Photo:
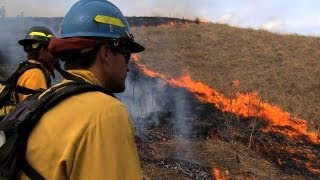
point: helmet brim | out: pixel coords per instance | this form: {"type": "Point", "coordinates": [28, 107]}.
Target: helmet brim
{"type": "Point", "coordinates": [134, 47]}
{"type": "Point", "coordinates": [24, 42]}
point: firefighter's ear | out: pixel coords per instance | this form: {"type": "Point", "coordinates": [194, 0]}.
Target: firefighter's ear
{"type": "Point", "coordinates": [103, 54]}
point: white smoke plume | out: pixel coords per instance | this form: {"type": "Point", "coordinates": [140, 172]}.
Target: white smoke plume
{"type": "Point", "coordinates": [247, 13]}
{"type": "Point", "coordinates": [14, 29]}
{"type": "Point", "coordinates": [225, 19]}
{"type": "Point", "coordinates": [275, 25]}
{"type": "Point", "coordinates": [151, 102]}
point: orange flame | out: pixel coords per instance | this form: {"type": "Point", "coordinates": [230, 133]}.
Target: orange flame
{"type": "Point", "coordinates": [243, 104]}
{"type": "Point", "coordinates": [172, 23]}
{"type": "Point", "coordinates": [217, 174]}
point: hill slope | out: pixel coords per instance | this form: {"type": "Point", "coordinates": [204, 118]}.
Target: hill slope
{"type": "Point", "coordinates": [283, 69]}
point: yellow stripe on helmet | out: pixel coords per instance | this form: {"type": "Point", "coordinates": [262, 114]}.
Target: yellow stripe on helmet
{"type": "Point", "coordinates": [109, 20]}
{"type": "Point", "coordinates": [34, 33]}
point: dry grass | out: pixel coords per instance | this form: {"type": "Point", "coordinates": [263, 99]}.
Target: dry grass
{"type": "Point", "coordinates": [233, 160]}
{"type": "Point", "coordinates": [283, 69]}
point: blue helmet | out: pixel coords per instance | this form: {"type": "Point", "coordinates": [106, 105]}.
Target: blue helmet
{"type": "Point", "coordinates": [98, 18]}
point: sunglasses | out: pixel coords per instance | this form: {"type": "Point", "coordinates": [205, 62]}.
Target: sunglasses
{"type": "Point", "coordinates": [126, 54]}
{"type": "Point", "coordinates": [119, 49]}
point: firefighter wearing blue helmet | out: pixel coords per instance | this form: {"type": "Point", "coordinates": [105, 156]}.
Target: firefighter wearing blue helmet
{"type": "Point", "coordinates": [98, 18]}
{"type": "Point", "coordinates": [89, 135]}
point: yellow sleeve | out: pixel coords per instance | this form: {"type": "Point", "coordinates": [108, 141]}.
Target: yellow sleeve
{"type": "Point", "coordinates": [107, 149]}
{"type": "Point", "coordinates": [32, 79]}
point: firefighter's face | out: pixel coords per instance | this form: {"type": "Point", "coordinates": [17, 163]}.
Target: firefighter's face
{"type": "Point", "coordinates": [119, 69]}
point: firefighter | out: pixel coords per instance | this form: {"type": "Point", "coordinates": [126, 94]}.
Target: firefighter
{"type": "Point", "coordinates": [33, 74]}
{"type": "Point", "coordinates": [89, 135]}
{"type": "Point", "coordinates": [35, 44]}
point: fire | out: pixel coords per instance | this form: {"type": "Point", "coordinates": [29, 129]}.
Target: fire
{"type": "Point", "coordinates": [145, 70]}
{"type": "Point", "coordinates": [243, 104]}
{"type": "Point", "coordinates": [172, 23]}
{"type": "Point", "coordinates": [202, 21]}
{"type": "Point", "coordinates": [217, 174]}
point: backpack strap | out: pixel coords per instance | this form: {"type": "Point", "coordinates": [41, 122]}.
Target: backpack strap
{"type": "Point", "coordinates": [8, 92]}
{"type": "Point", "coordinates": [50, 99]}
{"type": "Point", "coordinates": [30, 172]}
{"type": "Point", "coordinates": [67, 75]}
{"type": "Point", "coordinates": [24, 90]}
{"type": "Point", "coordinates": [23, 67]}
{"type": "Point", "coordinates": [59, 93]}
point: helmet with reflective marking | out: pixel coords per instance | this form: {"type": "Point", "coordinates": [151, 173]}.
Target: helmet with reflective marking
{"type": "Point", "coordinates": [98, 18]}
{"type": "Point", "coordinates": [37, 34]}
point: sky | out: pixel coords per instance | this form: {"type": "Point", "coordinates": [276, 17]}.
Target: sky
{"type": "Point", "coordinates": [281, 16]}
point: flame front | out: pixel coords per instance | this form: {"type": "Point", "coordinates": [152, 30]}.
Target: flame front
{"type": "Point", "coordinates": [243, 104]}
{"type": "Point", "coordinates": [216, 174]}
{"type": "Point", "coordinates": [249, 104]}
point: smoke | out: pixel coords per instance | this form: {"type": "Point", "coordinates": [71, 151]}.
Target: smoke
{"type": "Point", "coordinates": [225, 19]}
{"type": "Point", "coordinates": [167, 8]}
{"type": "Point", "coordinates": [37, 8]}
{"type": "Point", "coordinates": [145, 99]}
{"type": "Point", "coordinates": [275, 25]}
{"type": "Point", "coordinates": [182, 113]}
{"type": "Point", "coordinates": [152, 102]}
{"type": "Point", "coordinates": [14, 29]}
{"type": "Point", "coordinates": [248, 13]}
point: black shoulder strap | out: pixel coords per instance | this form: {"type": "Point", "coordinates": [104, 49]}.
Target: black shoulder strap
{"type": "Point", "coordinates": [46, 74]}
{"type": "Point", "coordinates": [49, 99]}
{"type": "Point", "coordinates": [30, 172]}
{"type": "Point", "coordinates": [23, 67]}
{"type": "Point", "coordinates": [58, 93]}
{"type": "Point", "coordinates": [24, 90]}
{"type": "Point", "coordinates": [67, 75]}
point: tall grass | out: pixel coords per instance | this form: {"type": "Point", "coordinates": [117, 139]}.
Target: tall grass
{"type": "Point", "coordinates": [283, 69]}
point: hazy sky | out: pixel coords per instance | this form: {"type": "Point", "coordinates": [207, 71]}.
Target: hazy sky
{"type": "Point", "coordinates": [287, 16]}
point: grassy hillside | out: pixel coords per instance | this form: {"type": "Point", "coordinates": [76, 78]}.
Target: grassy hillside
{"type": "Point", "coordinates": [283, 69]}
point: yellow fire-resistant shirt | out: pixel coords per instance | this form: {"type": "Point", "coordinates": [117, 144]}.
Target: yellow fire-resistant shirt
{"type": "Point", "coordinates": [87, 136]}
{"type": "Point", "coordinates": [32, 79]}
